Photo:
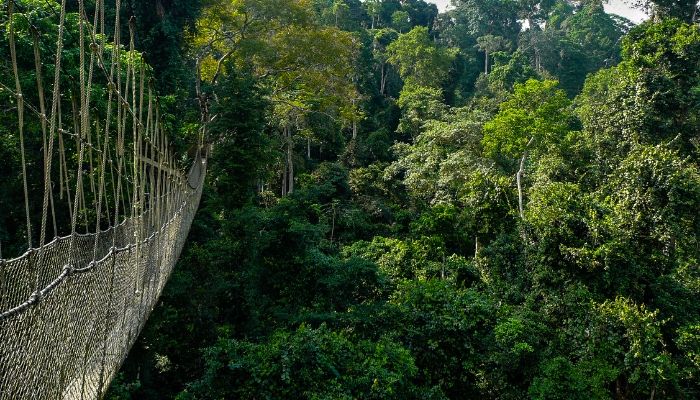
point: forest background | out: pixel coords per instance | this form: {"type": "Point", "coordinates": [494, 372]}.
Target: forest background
{"type": "Point", "coordinates": [495, 202]}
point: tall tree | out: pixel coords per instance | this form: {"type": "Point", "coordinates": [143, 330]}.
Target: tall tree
{"type": "Point", "coordinates": [490, 44]}
{"type": "Point", "coordinates": [303, 64]}
{"type": "Point", "coordinates": [533, 119]}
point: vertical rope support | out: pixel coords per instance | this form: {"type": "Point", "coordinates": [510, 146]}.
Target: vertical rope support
{"type": "Point", "coordinates": [64, 164]}
{"type": "Point", "coordinates": [78, 130]}
{"type": "Point", "coordinates": [134, 123]}
{"type": "Point", "coordinates": [116, 66]}
{"type": "Point", "coordinates": [124, 115]}
{"type": "Point", "coordinates": [105, 153]}
{"type": "Point", "coordinates": [20, 117]}
{"type": "Point", "coordinates": [84, 132]}
{"type": "Point", "coordinates": [91, 166]}
{"type": "Point", "coordinates": [81, 149]}
{"type": "Point", "coordinates": [154, 228]}
{"type": "Point", "coordinates": [114, 187]}
{"type": "Point", "coordinates": [151, 147]}
{"type": "Point", "coordinates": [55, 126]}
{"type": "Point", "coordinates": [47, 146]}
{"type": "Point", "coordinates": [136, 202]}
{"type": "Point", "coordinates": [93, 52]}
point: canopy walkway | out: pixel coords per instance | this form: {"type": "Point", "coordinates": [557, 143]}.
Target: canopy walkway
{"type": "Point", "coordinates": [72, 307]}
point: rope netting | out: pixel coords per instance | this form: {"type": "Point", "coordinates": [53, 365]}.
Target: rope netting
{"type": "Point", "coordinates": [71, 308]}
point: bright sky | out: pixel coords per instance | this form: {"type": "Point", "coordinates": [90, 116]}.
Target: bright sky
{"type": "Point", "coordinates": [614, 6]}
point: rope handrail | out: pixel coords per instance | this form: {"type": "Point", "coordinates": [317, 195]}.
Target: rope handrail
{"type": "Point", "coordinates": [112, 251]}
{"type": "Point", "coordinates": [36, 297]}
{"type": "Point", "coordinates": [66, 237]}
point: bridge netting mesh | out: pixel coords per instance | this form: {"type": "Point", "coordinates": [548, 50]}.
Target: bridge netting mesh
{"type": "Point", "coordinates": [72, 307]}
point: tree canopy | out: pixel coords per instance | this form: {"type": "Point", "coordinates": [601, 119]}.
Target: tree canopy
{"type": "Point", "coordinates": [495, 202]}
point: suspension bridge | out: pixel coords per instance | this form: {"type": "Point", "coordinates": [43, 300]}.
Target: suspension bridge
{"type": "Point", "coordinates": [72, 307]}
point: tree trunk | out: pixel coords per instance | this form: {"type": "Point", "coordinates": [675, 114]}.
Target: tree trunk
{"type": "Point", "coordinates": [382, 85]}
{"type": "Point", "coordinates": [354, 121]}
{"type": "Point", "coordinates": [290, 160]}
{"type": "Point", "coordinates": [333, 225]}
{"type": "Point", "coordinates": [308, 147]}
{"type": "Point", "coordinates": [284, 178]}
{"type": "Point", "coordinates": [160, 10]}
{"type": "Point", "coordinates": [519, 178]}
{"type": "Point", "coordinates": [486, 62]}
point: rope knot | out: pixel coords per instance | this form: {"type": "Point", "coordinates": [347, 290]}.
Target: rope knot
{"type": "Point", "coordinates": [35, 297]}
{"type": "Point", "coordinates": [68, 269]}
{"type": "Point", "coordinates": [19, 96]}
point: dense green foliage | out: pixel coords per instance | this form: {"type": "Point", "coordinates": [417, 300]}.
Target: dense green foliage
{"type": "Point", "coordinates": [401, 264]}
{"type": "Point", "coordinates": [497, 202]}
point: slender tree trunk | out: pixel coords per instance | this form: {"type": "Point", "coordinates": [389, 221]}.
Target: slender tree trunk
{"type": "Point", "coordinates": [354, 121]}
{"type": "Point", "coordinates": [486, 62]}
{"type": "Point", "coordinates": [333, 225]}
{"type": "Point", "coordinates": [382, 85]}
{"type": "Point", "coordinates": [476, 246]}
{"type": "Point", "coordinates": [618, 390]}
{"type": "Point", "coordinates": [290, 160]}
{"type": "Point", "coordinates": [308, 147]}
{"type": "Point", "coordinates": [519, 178]}
{"type": "Point", "coordinates": [284, 176]}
